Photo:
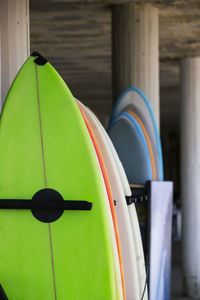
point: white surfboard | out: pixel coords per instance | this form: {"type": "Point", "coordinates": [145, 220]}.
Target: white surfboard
{"type": "Point", "coordinates": [118, 283]}
{"type": "Point", "coordinates": [115, 256]}
{"type": "Point", "coordinates": [134, 222]}
{"type": "Point", "coordinates": [133, 216]}
{"type": "Point", "coordinates": [125, 230]}
{"type": "Point", "coordinates": [139, 251]}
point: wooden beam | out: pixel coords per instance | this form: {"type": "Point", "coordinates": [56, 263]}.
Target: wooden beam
{"type": "Point", "coordinates": [111, 2]}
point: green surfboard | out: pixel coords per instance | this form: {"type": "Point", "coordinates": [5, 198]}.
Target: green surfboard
{"type": "Point", "coordinates": [45, 150]}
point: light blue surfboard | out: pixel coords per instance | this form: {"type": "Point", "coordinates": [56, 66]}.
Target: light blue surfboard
{"type": "Point", "coordinates": [131, 147]}
{"type": "Point", "coordinates": [135, 97]}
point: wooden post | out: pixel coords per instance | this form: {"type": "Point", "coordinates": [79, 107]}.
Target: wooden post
{"type": "Point", "coordinates": [190, 173]}
{"type": "Point", "coordinates": [15, 41]}
{"type": "Point", "coordinates": [136, 50]}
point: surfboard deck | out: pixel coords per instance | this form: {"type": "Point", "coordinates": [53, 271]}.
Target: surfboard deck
{"type": "Point", "coordinates": [150, 132]}
{"type": "Point", "coordinates": [150, 150]}
{"type": "Point", "coordinates": [131, 147]}
{"type": "Point", "coordinates": [45, 145]}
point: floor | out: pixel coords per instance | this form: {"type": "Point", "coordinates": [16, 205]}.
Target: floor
{"type": "Point", "coordinates": [177, 289]}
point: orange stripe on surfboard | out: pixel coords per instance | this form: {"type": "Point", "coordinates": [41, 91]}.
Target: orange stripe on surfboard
{"type": "Point", "coordinates": [110, 197]}
{"type": "Point", "coordinates": [153, 166]}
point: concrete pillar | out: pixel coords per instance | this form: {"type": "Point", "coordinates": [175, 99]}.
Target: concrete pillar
{"type": "Point", "coordinates": [190, 173]}
{"type": "Point", "coordinates": [136, 50]}
{"type": "Point", "coordinates": [15, 42]}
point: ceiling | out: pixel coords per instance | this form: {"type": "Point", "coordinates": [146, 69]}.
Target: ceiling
{"type": "Point", "coordinates": [76, 37]}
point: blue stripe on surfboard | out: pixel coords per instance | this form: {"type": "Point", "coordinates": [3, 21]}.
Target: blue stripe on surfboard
{"type": "Point", "coordinates": [139, 130]}
{"type": "Point", "coordinates": [142, 95]}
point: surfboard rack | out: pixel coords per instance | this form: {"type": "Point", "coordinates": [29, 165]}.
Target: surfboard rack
{"type": "Point", "coordinates": [2, 294]}
{"type": "Point", "coordinates": [134, 198]}
{"type": "Point", "coordinates": [139, 194]}
{"type": "Point", "coordinates": [153, 202]}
